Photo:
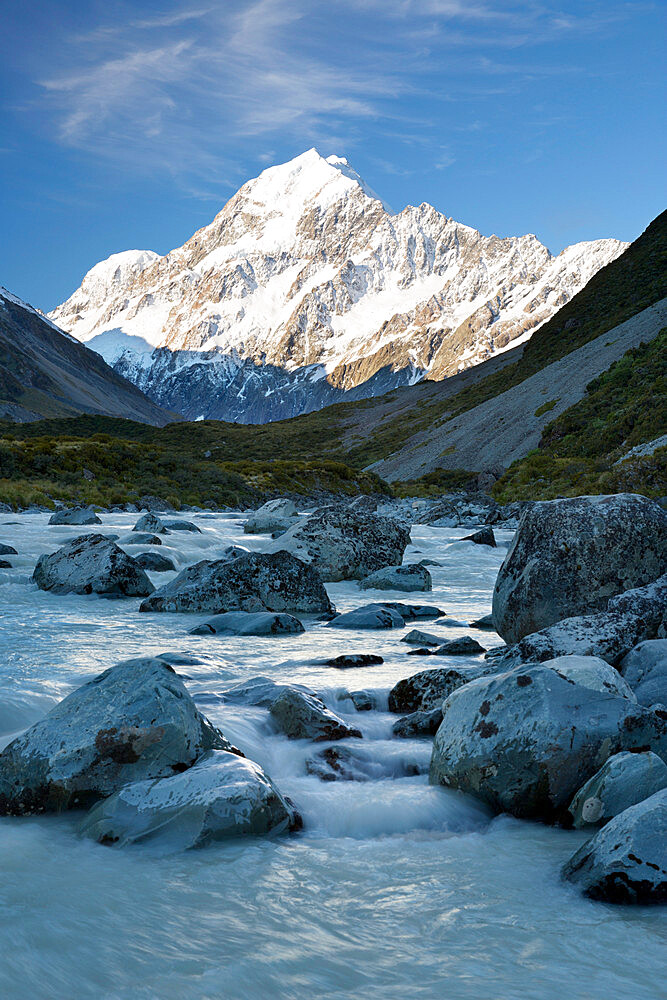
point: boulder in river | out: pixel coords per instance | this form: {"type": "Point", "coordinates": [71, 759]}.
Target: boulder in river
{"type": "Point", "coordinates": [154, 562]}
{"type": "Point", "coordinates": [75, 515]}
{"type": "Point", "coordinates": [183, 526]}
{"type": "Point", "coordinates": [222, 796]}
{"type": "Point", "coordinates": [258, 581]}
{"type": "Point", "coordinates": [408, 578]}
{"type": "Point", "coordinates": [134, 721]}
{"type": "Point", "coordinates": [645, 670]}
{"type": "Point", "coordinates": [465, 645]}
{"type": "Point", "coordinates": [418, 638]}
{"type": "Point", "coordinates": [140, 538]}
{"type": "Point", "coordinates": [249, 623]}
{"type": "Point", "coordinates": [424, 723]}
{"type": "Point", "coordinates": [347, 661]}
{"type": "Point", "coordinates": [569, 557]}
{"type": "Point", "coordinates": [275, 515]}
{"type": "Point", "coordinates": [5, 564]}
{"type": "Point", "coordinates": [609, 636]}
{"type": "Point", "coordinates": [484, 536]}
{"type": "Point", "coordinates": [428, 689]}
{"type": "Point", "coordinates": [626, 861]}
{"type": "Point", "coordinates": [151, 524]}
{"type": "Point", "coordinates": [7, 550]}
{"type": "Point", "coordinates": [485, 624]}
{"type": "Point", "coordinates": [525, 740]}
{"type": "Point", "coordinates": [304, 716]}
{"type": "Point", "coordinates": [592, 672]}
{"type": "Point", "coordinates": [259, 691]}
{"type": "Point", "coordinates": [91, 564]}
{"type": "Point", "coordinates": [345, 544]}
{"type": "Point", "coordinates": [622, 781]}
{"type": "Point", "coordinates": [370, 616]}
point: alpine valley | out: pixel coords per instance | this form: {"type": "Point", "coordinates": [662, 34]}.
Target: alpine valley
{"type": "Point", "coordinates": [306, 289]}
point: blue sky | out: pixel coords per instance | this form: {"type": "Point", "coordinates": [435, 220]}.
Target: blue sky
{"type": "Point", "coordinates": [128, 125]}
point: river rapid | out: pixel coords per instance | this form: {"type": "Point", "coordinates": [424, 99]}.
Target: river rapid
{"type": "Point", "coordinates": [393, 890]}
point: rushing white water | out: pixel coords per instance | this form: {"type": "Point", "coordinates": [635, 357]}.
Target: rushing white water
{"type": "Point", "coordinates": [393, 890]}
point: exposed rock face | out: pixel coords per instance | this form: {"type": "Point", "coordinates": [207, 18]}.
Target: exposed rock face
{"type": "Point", "coordinates": [77, 515]}
{"type": "Point", "coordinates": [248, 623]}
{"type": "Point", "coordinates": [429, 688]}
{"type": "Point", "coordinates": [408, 578]}
{"type": "Point", "coordinates": [645, 670]}
{"type": "Point", "coordinates": [275, 515]}
{"type": "Point", "coordinates": [258, 581]}
{"type": "Point", "coordinates": [345, 544]}
{"type": "Point", "coordinates": [646, 603]}
{"type": "Point", "coordinates": [626, 861]}
{"type": "Point", "coordinates": [303, 716]}
{"type": "Point", "coordinates": [524, 741]}
{"type": "Point", "coordinates": [154, 562]}
{"type": "Point", "coordinates": [569, 557]}
{"type": "Point", "coordinates": [134, 721]}
{"type": "Point", "coordinates": [622, 781]}
{"type": "Point", "coordinates": [222, 796]}
{"type": "Point", "coordinates": [91, 564]}
{"type": "Point", "coordinates": [364, 299]}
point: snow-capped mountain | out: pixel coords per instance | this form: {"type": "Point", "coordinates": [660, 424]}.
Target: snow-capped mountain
{"type": "Point", "coordinates": [306, 289]}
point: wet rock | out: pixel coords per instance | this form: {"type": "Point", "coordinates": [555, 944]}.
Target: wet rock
{"type": "Point", "coordinates": [371, 616]}
{"type": "Point", "coordinates": [249, 623]}
{"type": "Point", "coordinates": [484, 536]}
{"type": "Point", "coordinates": [258, 581]}
{"type": "Point", "coordinates": [408, 578]}
{"type": "Point", "coordinates": [259, 691]}
{"type": "Point", "coordinates": [622, 781]}
{"type": "Point", "coordinates": [134, 721]}
{"type": "Point", "coordinates": [7, 550]}
{"type": "Point", "coordinates": [75, 515]}
{"type": "Point", "coordinates": [645, 670]}
{"type": "Point", "coordinates": [609, 636]}
{"type": "Point", "coordinates": [183, 526]}
{"type": "Point", "coordinates": [591, 672]}
{"type": "Point", "coordinates": [222, 796]}
{"type": "Point", "coordinates": [626, 861]}
{"type": "Point", "coordinates": [485, 624]}
{"type": "Point", "coordinates": [418, 724]}
{"type": "Point", "coordinates": [464, 646]}
{"type": "Point", "coordinates": [428, 689]}
{"type": "Point", "coordinates": [570, 556]}
{"type": "Point", "coordinates": [91, 564]}
{"type": "Point", "coordinates": [364, 701]}
{"type": "Point", "coordinates": [413, 612]}
{"type": "Point", "coordinates": [154, 562]}
{"type": "Point", "coordinates": [417, 638]}
{"type": "Point", "coordinates": [274, 516]}
{"type": "Point", "coordinates": [345, 544]}
{"type": "Point", "coordinates": [4, 564]}
{"type": "Point", "coordinates": [649, 604]}
{"type": "Point", "coordinates": [140, 538]}
{"type": "Point", "coordinates": [150, 523]}
{"type": "Point", "coordinates": [348, 660]}
{"type": "Point", "coordinates": [359, 763]}
{"type": "Point", "coordinates": [523, 741]}
{"type": "Point", "coordinates": [303, 716]}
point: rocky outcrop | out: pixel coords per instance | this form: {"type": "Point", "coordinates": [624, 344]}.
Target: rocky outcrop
{"type": "Point", "coordinates": [645, 670]}
{"type": "Point", "coordinates": [626, 861]}
{"type": "Point", "coordinates": [569, 557]}
{"type": "Point", "coordinates": [622, 781]}
{"type": "Point", "coordinates": [609, 636]}
{"type": "Point", "coordinates": [75, 515]}
{"type": "Point", "coordinates": [342, 543]}
{"type": "Point", "coordinates": [275, 515]}
{"type": "Point", "coordinates": [303, 716]}
{"type": "Point", "coordinates": [525, 740]}
{"type": "Point", "coordinates": [428, 689]}
{"type": "Point", "coordinates": [222, 796]}
{"type": "Point", "coordinates": [257, 581]}
{"type": "Point", "coordinates": [135, 721]}
{"type": "Point", "coordinates": [648, 603]}
{"type": "Point", "coordinates": [249, 623]}
{"type": "Point", "coordinates": [91, 564]}
{"type": "Point", "coordinates": [408, 578]}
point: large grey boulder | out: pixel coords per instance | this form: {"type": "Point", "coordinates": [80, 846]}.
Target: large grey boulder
{"type": "Point", "coordinates": [408, 578]}
{"type": "Point", "coordinates": [592, 672]}
{"type": "Point", "coordinates": [75, 515]}
{"type": "Point", "coordinates": [249, 623]}
{"type": "Point", "coordinates": [140, 538]}
{"type": "Point", "coordinates": [465, 645]}
{"type": "Point", "coordinates": [183, 526]}
{"type": "Point", "coordinates": [645, 670]}
{"type": "Point", "coordinates": [91, 564]}
{"type": "Point", "coordinates": [154, 562]}
{"type": "Point", "coordinates": [428, 689]}
{"type": "Point", "coordinates": [303, 716]}
{"type": "Point", "coordinates": [568, 557]}
{"type": "Point", "coordinates": [626, 861]}
{"type": "Point", "coordinates": [609, 636]}
{"type": "Point", "coordinates": [150, 523]}
{"type": "Point", "coordinates": [622, 781]}
{"type": "Point", "coordinates": [258, 581]}
{"type": "Point", "coordinates": [260, 691]}
{"type": "Point", "coordinates": [525, 740]}
{"type": "Point", "coordinates": [415, 637]}
{"type": "Point", "coordinates": [370, 616]}
{"type": "Point", "coordinates": [275, 515]}
{"type": "Point", "coordinates": [222, 796]}
{"type": "Point", "coordinates": [484, 536]}
{"type": "Point", "coordinates": [345, 544]}
{"type": "Point", "coordinates": [418, 724]}
{"type": "Point", "coordinates": [648, 603]}
{"type": "Point", "coordinates": [134, 721]}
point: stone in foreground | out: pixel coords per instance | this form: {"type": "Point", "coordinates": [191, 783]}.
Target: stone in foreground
{"type": "Point", "coordinates": [249, 623]}
{"type": "Point", "coordinates": [258, 581]}
{"type": "Point", "coordinates": [569, 557]}
{"type": "Point", "coordinates": [408, 578]}
{"type": "Point", "coordinates": [525, 740]}
{"type": "Point", "coordinates": [222, 796]}
{"type": "Point", "coordinates": [626, 861]}
{"type": "Point", "coordinates": [91, 564]}
{"type": "Point", "coordinates": [303, 716]}
{"type": "Point", "coordinates": [76, 515]}
{"type": "Point", "coordinates": [134, 721]}
{"type": "Point", "coordinates": [622, 781]}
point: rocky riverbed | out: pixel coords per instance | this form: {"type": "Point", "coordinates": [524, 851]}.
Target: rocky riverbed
{"type": "Point", "coordinates": [393, 887]}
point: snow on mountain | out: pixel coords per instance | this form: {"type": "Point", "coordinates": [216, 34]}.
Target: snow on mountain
{"type": "Point", "coordinates": [306, 288]}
